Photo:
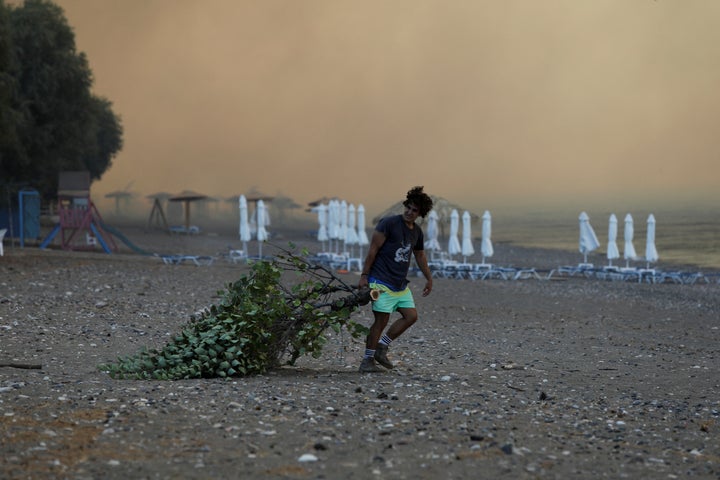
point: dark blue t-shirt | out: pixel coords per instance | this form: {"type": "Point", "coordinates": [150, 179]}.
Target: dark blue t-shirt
{"type": "Point", "coordinates": [392, 261]}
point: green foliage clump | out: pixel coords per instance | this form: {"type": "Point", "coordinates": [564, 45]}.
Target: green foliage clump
{"type": "Point", "coordinates": [258, 325]}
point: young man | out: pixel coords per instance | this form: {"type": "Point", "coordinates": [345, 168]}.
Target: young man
{"type": "Point", "coordinates": [385, 269]}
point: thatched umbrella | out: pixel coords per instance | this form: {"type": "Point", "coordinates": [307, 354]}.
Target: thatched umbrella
{"type": "Point", "coordinates": [186, 197]}
{"type": "Point", "coordinates": [320, 201]}
{"type": "Point", "coordinates": [120, 196]}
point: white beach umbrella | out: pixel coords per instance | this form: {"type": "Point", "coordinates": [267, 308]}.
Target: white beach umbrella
{"type": "Point", "coordinates": [651, 254]}
{"type": "Point", "coordinates": [612, 248]}
{"type": "Point", "coordinates": [453, 242]}
{"type": "Point", "coordinates": [431, 233]}
{"type": "Point", "coordinates": [362, 234]}
{"type": "Point", "coordinates": [588, 239]}
{"type": "Point", "coordinates": [629, 251]}
{"type": "Point", "coordinates": [467, 246]}
{"type": "Point", "coordinates": [245, 235]}
{"type": "Point", "coordinates": [334, 223]}
{"type": "Point", "coordinates": [342, 224]}
{"type": "Point", "coordinates": [486, 246]}
{"type": "Point", "coordinates": [351, 236]}
{"type": "Point", "coordinates": [262, 234]}
{"type": "Point", "coordinates": [322, 235]}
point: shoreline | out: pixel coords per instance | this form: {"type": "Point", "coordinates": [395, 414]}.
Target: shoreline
{"type": "Point", "coordinates": [507, 253]}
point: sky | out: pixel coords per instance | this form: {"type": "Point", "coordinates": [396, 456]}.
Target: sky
{"type": "Point", "coordinates": [487, 103]}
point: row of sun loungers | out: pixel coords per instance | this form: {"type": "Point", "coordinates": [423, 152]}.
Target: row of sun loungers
{"type": "Point", "coordinates": [231, 256]}
{"type": "Point", "coordinates": [337, 261]}
{"type": "Point", "coordinates": [640, 275]}
{"type": "Point", "coordinates": [483, 271]}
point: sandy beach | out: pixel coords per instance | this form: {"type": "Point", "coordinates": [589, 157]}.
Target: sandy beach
{"type": "Point", "coordinates": [563, 378]}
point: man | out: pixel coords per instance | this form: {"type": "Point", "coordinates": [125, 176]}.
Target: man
{"type": "Point", "coordinates": [385, 269]}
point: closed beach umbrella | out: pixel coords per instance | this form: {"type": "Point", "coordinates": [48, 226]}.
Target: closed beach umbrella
{"type": "Point", "coordinates": [244, 223]}
{"type": "Point", "coordinates": [453, 242]}
{"type": "Point", "coordinates": [322, 235]}
{"type": "Point", "coordinates": [262, 234]}
{"type": "Point", "coordinates": [334, 223]}
{"type": "Point", "coordinates": [467, 246]}
{"type": "Point", "coordinates": [351, 236]}
{"type": "Point", "coordinates": [362, 234]}
{"type": "Point", "coordinates": [588, 239]}
{"type": "Point", "coordinates": [629, 251]}
{"type": "Point", "coordinates": [612, 249]}
{"type": "Point", "coordinates": [342, 224]}
{"type": "Point", "coordinates": [486, 246]}
{"type": "Point", "coordinates": [431, 232]}
{"type": "Point", "coordinates": [651, 254]}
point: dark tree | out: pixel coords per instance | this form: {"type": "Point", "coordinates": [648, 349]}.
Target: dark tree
{"type": "Point", "coordinates": [10, 119]}
{"type": "Point", "coordinates": [56, 123]}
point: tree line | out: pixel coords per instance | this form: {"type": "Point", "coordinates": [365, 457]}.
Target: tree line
{"type": "Point", "coordinates": [50, 121]}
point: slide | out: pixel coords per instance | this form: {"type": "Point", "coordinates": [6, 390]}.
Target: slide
{"type": "Point", "coordinates": [116, 233]}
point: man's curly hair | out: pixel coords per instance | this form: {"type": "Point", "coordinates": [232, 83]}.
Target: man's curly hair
{"type": "Point", "coordinates": [420, 199]}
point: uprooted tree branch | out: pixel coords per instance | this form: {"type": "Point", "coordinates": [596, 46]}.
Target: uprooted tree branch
{"type": "Point", "coordinates": [262, 321]}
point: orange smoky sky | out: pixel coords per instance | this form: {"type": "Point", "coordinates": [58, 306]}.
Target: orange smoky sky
{"type": "Point", "coordinates": [485, 102]}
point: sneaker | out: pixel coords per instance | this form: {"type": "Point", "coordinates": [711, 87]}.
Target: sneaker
{"type": "Point", "coordinates": [368, 366]}
{"type": "Point", "coordinates": [381, 356]}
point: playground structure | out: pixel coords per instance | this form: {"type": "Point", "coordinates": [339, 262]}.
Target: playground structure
{"type": "Point", "coordinates": [81, 226]}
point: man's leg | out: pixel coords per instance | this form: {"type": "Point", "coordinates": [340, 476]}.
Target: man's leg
{"type": "Point", "coordinates": [381, 321]}
{"type": "Point", "coordinates": [368, 362]}
{"type": "Point", "coordinates": [409, 317]}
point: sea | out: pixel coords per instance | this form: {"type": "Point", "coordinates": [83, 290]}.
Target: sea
{"type": "Point", "coordinates": [688, 236]}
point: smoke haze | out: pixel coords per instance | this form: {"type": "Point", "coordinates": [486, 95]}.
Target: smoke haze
{"type": "Point", "coordinates": [487, 103]}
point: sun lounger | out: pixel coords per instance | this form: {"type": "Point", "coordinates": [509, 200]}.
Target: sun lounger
{"type": "Point", "coordinates": [711, 277]}
{"type": "Point", "coordinates": [679, 277]}
{"type": "Point", "coordinates": [580, 269]}
{"type": "Point", "coordinates": [435, 269]}
{"type": "Point", "coordinates": [463, 270]}
{"type": "Point", "coordinates": [503, 273]}
{"type": "Point", "coordinates": [525, 273]}
{"type": "Point", "coordinates": [443, 269]}
{"type": "Point", "coordinates": [354, 263]}
{"type": "Point", "coordinates": [179, 259]}
{"type": "Point", "coordinates": [180, 229]}
{"type": "Point", "coordinates": [235, 256]}
{"type": "Point", "coordinates": [334, 260]}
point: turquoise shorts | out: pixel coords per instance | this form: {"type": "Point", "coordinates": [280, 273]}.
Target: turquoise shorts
{"type": "Point", "coordinates": [390, 301]}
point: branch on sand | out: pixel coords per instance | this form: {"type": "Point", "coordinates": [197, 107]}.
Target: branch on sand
{"type": "Point", "coordinates": [271, 316]}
